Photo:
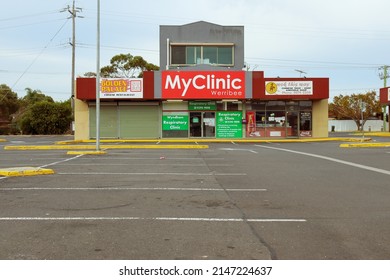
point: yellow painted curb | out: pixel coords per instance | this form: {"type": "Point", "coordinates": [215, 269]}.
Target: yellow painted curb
{"type": "Point", "coordinates": [91, 147]}
{"type": "Point", "coordinates": [365, 145]}
{"type": "Point", "coordinates": [378, 134]}
{"type": "Point", "coordinates": [50, 147]}
{"type": "Point", "coordinates": [25, 171]}
{"type": "Point", "coordinates": [3, 140]}
{"type": "Point", "coordinates": [154, 146]}
{"type": "Point", "coordinates": [70, 142]}
{"type": "Point", "coordinates": [86, 152]}
{"type": "Point", "coordinates": [245, 140]}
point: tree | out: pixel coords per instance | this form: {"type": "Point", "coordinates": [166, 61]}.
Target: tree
{"type": "Point", "coordinates": [125, 66]}
{"type": "Point", "coordinates": [39, 114]}
{"type": "Point", "coordinates": [9, 104]}
{"type": "Point", "coordinates": [8, 101]}
{"type": "Point", "coordinates": [44, 117]}
{"type": "Point", "coordinates": [33, 96]}
{"type": "Point", "coordinates": [350, 107]}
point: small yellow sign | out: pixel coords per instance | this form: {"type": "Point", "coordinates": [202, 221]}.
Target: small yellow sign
{"type": "Point", "coordinates": [271, 87]}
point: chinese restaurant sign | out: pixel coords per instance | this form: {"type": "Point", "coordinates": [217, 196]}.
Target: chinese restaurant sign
{"type": "Point", "coordinates": [203, 84]}
{"type": "Point", "coordinates": [229, 124]}
{"type": "Point", "coordinates": [121, 88]}
{"type": "Point", "coordinates": [289, 88]}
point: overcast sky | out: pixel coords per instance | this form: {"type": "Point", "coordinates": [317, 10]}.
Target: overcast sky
{"type": "Point", "coordinates": [345, 40]}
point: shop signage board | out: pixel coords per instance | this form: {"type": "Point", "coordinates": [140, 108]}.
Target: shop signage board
{"type": "Point", "coordinates": [203, 85]}
{"type": "Point", "coordinates": [202, 105]}
{"type": "Point", "coordinates": [388, 94]}
{"type": "Point", "coordinates": [121, 88]}
{"type": "Point", "coordinates": [175, 121]}
{"type": "Point", "coordinates": [289, 88]}
{"type": "Point", "coordinates": [229, 124]}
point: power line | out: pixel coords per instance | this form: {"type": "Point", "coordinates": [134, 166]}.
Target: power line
{"type": "Point", "coordinates": [36, 58]}
{"type": "Point", "coordinates": [314, 61]}
{"type": "Point", "coordinates": [29, 24]}
{"type": "Point", "coordinates": [28, 16]}
{"type": "Point", "coordinates": [84, 45]}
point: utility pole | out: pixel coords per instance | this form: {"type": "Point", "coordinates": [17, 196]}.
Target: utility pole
{"type": "Point", "coordinates": [383, 76]}
{"type": "Point", "coordinates": [73, 15]}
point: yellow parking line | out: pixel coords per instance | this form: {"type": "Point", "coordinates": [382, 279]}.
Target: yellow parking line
{"type": "Point", "coordinates": [91, 147]}
{"type": "Point", "coordinates": [86, 152]}
{"type": "Point", "coordinates": [365, 145]}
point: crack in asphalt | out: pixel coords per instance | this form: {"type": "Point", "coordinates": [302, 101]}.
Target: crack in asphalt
{"type": "Point", "coordinates": [244, 217]}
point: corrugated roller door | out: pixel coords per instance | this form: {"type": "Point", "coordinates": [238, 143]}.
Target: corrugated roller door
{"type": "Point", "coordinates": [139, 121]}
{"type": "Point", "coordinates": [108, 122]}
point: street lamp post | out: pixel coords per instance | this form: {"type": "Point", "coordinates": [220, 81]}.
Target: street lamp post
{"type": "Point", "coordinates": [98, 79]}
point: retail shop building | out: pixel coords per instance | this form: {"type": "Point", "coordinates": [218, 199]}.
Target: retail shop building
{"type": "Point", "coordinates": [384, 98]}
{"type": "Point", "coordinates": [202, 91]}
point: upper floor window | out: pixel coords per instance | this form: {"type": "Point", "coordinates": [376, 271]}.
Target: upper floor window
{"type": "Point", "coordinates": [185, 55]}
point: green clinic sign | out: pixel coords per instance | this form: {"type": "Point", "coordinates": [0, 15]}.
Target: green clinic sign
{"type": "Point", "coordinates": [175, 121]}
{"type": "Point", "coordinates": [202, 106]}
{"type": "Point", "coordinates": [229, 125]}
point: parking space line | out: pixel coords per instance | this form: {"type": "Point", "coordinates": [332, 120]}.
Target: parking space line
{"type": "Point", "coordinates": [181, 219]}
{"type": "Point", "coordinates": [131, 189]}
{"type": "Point", "coordinates": [150, 164]}
{"type": "Point", "coordinates": [366, 167]}
{"type": "Point", "coordinates": [232, 149]}
{"type": "Point", "coordinates": [61, 161]}
{"type": "Point", "coordinates": [152, 173]}
{"type": "Point", "coordinates": [153, 158]}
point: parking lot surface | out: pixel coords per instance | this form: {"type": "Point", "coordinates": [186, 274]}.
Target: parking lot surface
{"type": "Point", "coordinates": [230, 201]}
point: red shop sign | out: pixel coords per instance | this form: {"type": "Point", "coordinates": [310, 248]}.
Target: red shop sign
{"type": "Point", "coordinates": [203, 85]}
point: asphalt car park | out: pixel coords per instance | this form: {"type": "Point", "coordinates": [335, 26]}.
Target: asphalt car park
{"type": "Point", "coordinates": [230, 201]}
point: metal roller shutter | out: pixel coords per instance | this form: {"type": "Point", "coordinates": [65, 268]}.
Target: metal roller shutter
{"type": "Point", "coordinates": [108, 121]}
{"type": "Point", "coordinates": [139, 121]}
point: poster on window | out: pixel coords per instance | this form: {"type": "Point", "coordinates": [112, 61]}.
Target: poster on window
{"type": "Point", "coordinates": [251, 125]}
{"type": "Point", "coordinates": [229, 124]}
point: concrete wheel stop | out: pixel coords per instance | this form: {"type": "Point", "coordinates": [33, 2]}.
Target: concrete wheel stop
{"type": "Point", "coordinates": [25, 171]}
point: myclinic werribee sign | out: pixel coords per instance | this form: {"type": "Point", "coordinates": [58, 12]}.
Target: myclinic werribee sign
{"type": "Point", "coordinates": [203, 85]}
{"type": "Point", "coordinates": [121, 88]}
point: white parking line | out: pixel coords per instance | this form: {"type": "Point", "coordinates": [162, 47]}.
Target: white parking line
{"type": "Point", "coordinates": [167, 157]}
{"type": "Point", "coordinates": [232, 149]}
{"type": "Point", "coordinates": [149, 219]}
{"type": "Point", "coordinates": [378, 170]}
{"type": "Point", "coordinates": [149, 164]}
{"type": "Point", "coordinates": [132, 189]}
{"type": "Point", "coordinates": [61, 161]}
{"type": "Point", "coordinates": [152, 173]}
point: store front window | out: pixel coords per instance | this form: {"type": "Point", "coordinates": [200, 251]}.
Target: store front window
{"type": "Point", "coordinates": [202, 124]}
{"type": "Point", "coordinates": [305, 118]}
{"type": "Point", "coordinates": [202, 119]}
{"type": "Point", "coordinates": [279, 119]}
{"type": "Point", "coordinates": [186, 55]}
